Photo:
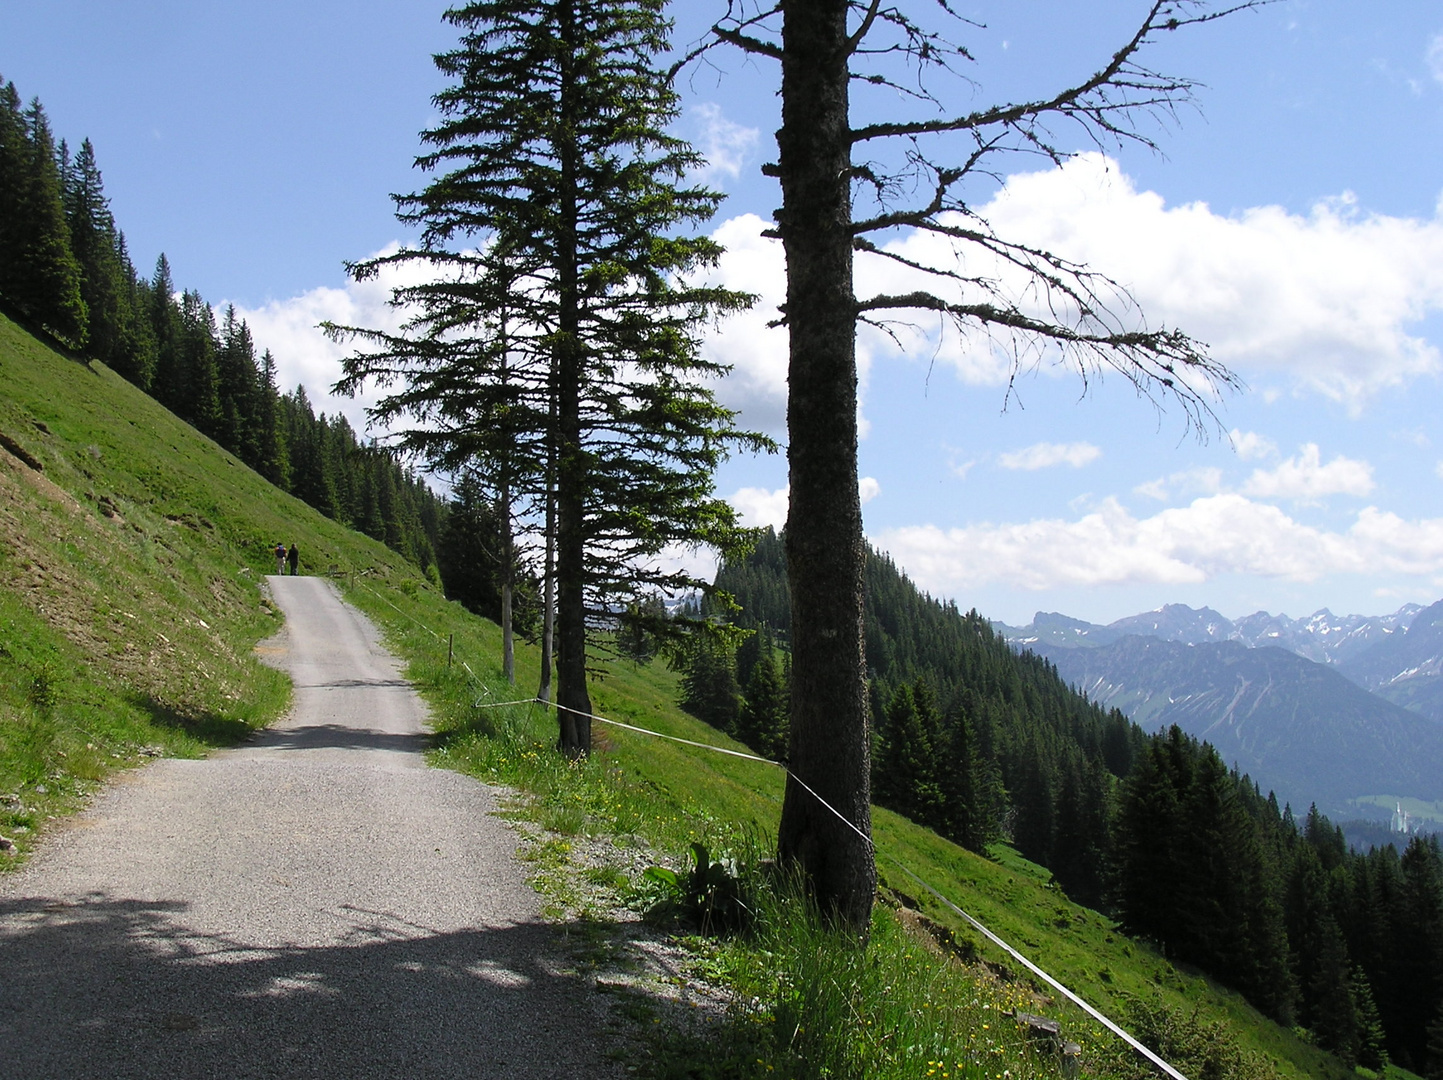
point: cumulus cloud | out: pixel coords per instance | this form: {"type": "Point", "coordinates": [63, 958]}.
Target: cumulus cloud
{"type": "Point", "coordinates": [1305, 478]}
{"type": "Point", "coordinates": [305, 356]}
{"type": "Point", "coordinates": [1212, 536]}
{"type": "Point", "coordinates": [756, 352]}
{"type": "Point", "coordinates": [1250, 446]}
{"type": "Point", "coordinates": [1327, 299]}
{"type": "Point", "coordinates": [758, 507]}
{"type": "Point", "coordinates": [1045, 455]}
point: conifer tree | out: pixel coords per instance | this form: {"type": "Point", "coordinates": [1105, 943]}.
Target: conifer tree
{"type": "Point", "coordinates": [169, 380]}
{"type": "Point", "coordinates": [1418, 962]}
{"type": "Point", "coordinates": [554, 233]}
{"type": "Point", "coordinates": [274, 461]}
{"type": "Point", "coordinates": [972, 790]}
{"type": "Point", "coordinates": [196, 349]}
{"type": "Point", "coordinates": [136, 357]}
{"type": "Point", "coordinates": [238, 393]}
{"type": "Point", "coordinates": [709, 689]}
{"type": "Point", "coordinates": [14, 148]}
{"type": "Point", "coordinates": [39, 274]}
{"type": "Point", "coordinates": [105, 285]}
{"type": "Point", "coordinates": [763, 722]}
{"type": "Point", "coordinates": [1372, 1042]}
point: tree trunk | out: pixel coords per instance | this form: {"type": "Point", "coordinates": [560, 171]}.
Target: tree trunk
{"type": "Point", "coordinates": [508, 579]}
{"type": "Point", "coordinates": [548, 590]}
{"type": "Point", "coordinates": [572, 699]}
{"type": "Point", "coordinates": [830, 742]}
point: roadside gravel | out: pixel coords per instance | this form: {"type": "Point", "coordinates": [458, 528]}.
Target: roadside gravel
{"type": "Point", "coordinates": [316, 903]}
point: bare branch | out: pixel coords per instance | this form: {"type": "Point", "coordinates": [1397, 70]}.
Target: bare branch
{"type": "Point", "coordinates": [1141, 88]}
{"type": "Point", "coordinates": [1148, 359]}
{"type": "Point", "coordinates": [747, 43]}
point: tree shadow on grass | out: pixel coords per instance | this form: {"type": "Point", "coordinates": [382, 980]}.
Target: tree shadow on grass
{"type": "Point", "coordinates": [206, 727]}
{"type": "Point", "coordinates": [100, 985]}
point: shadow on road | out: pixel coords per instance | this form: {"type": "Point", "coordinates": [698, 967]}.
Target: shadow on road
{"type": "Point", "coordinates": [339, 737]}
{"type": "Point", "coordinates": [103, 986]}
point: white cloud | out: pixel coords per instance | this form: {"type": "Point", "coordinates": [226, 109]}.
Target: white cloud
{"type": "Point", "coordinates": [1250, 446]}
{"type": "Point", "coordinates": [1435, 57]}
{"type": "Point", "coordinates": [1327, 299]}
{"type": "Point", "coordinates": [760, 507]}
{"type": "Point", "coordinates": [1204, 479]}
{"type": "Point", "coordinates": [756, 352]}
{"type": "Point", "coordinates": [1305, 478]}
{"type": "Point", "coordinates": [757, 507]}
{"type": "Point", "coordinates": [726, 145]}
{"type": "Point", "coordinates": [1210, 537]}
{"type": "Point", "coordinates": [305, 356]}
{"type": "Point", "coordinates": [1045, 455]}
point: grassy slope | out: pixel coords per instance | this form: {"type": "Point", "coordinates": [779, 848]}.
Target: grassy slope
{"type": "Point", "coordinates": [129, 596]}
{"type": "Point", "coordinates": [129, 606]}
{"type": "Point", "coordinates": [670, 795]}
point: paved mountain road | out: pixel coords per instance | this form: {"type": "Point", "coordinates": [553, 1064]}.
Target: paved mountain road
{"type": "Point", "coordinates": [315, 903]}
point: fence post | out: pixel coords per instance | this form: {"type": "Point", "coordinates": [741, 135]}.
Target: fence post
{"type": "Point", "coordinates": [450, 648]}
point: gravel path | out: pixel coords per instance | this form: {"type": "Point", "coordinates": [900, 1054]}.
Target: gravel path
{"type": "Point", "coordinates": [316, 903]}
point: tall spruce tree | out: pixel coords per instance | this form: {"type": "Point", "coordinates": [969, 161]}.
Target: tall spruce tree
{"type": "Point", "coordinates": [39, 275]}
{"type": "Point", "coordinates": [106, 280]}
{"type": "Point", "coordinates": [273, 460]}
{"type": "Point", "coordinates": [14, 146]}
{"type": "Point", "coordinates": [554, 237]}
{"type": "Point", "coordinates": [169, 377]}
{"type": "Point", "coordinates": [197, 347]}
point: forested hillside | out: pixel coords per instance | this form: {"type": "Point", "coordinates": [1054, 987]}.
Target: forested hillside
{"type": "Point", "coordinates": [981, 742]}
{"type": "Point", "coordinates": [66, 272]}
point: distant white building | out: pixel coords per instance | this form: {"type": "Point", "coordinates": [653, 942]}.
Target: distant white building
{"type": "Point", "coordinates": [1403, 822]}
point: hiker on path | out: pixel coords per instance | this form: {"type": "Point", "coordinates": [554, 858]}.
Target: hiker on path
{"type": "Point", "coordinates": [280, 558]}
{"type": "Point", "coordinates": [294, 558]}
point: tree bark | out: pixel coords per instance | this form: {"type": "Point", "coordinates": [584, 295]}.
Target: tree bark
{"type": "Point", "coordinates": [830, 741]}
{"type": "Point", "coordinates": [572, 698]}
{"type": "Point", "coordinates": [548, 589]}
{"type": "Point", "coordinates": [508, 578]}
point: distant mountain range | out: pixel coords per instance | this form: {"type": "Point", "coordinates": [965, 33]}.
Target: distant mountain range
{"type": "Point", "coordinates": [1326, 709]}
{"type": "Point", "coordinates": [1322, 637]}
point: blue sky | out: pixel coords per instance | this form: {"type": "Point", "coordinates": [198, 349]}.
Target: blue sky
{"type": "Point", "coordinates": [1292, 222]}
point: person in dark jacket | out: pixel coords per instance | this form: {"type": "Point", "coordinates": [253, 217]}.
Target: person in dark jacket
{"type": "Point", "coordinates": [294, 558]}
{"type": "Point", "coordinates": [280, 554]}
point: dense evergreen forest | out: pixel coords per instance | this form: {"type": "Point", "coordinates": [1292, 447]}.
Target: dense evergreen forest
{"type": "Point", "coordinates": [65, 272]}
{"type": "Point", "coordinates": [983, 743]}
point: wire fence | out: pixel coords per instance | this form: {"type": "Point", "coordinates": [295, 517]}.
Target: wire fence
{"type": "Point", "coordinates": [1142, 1050]}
